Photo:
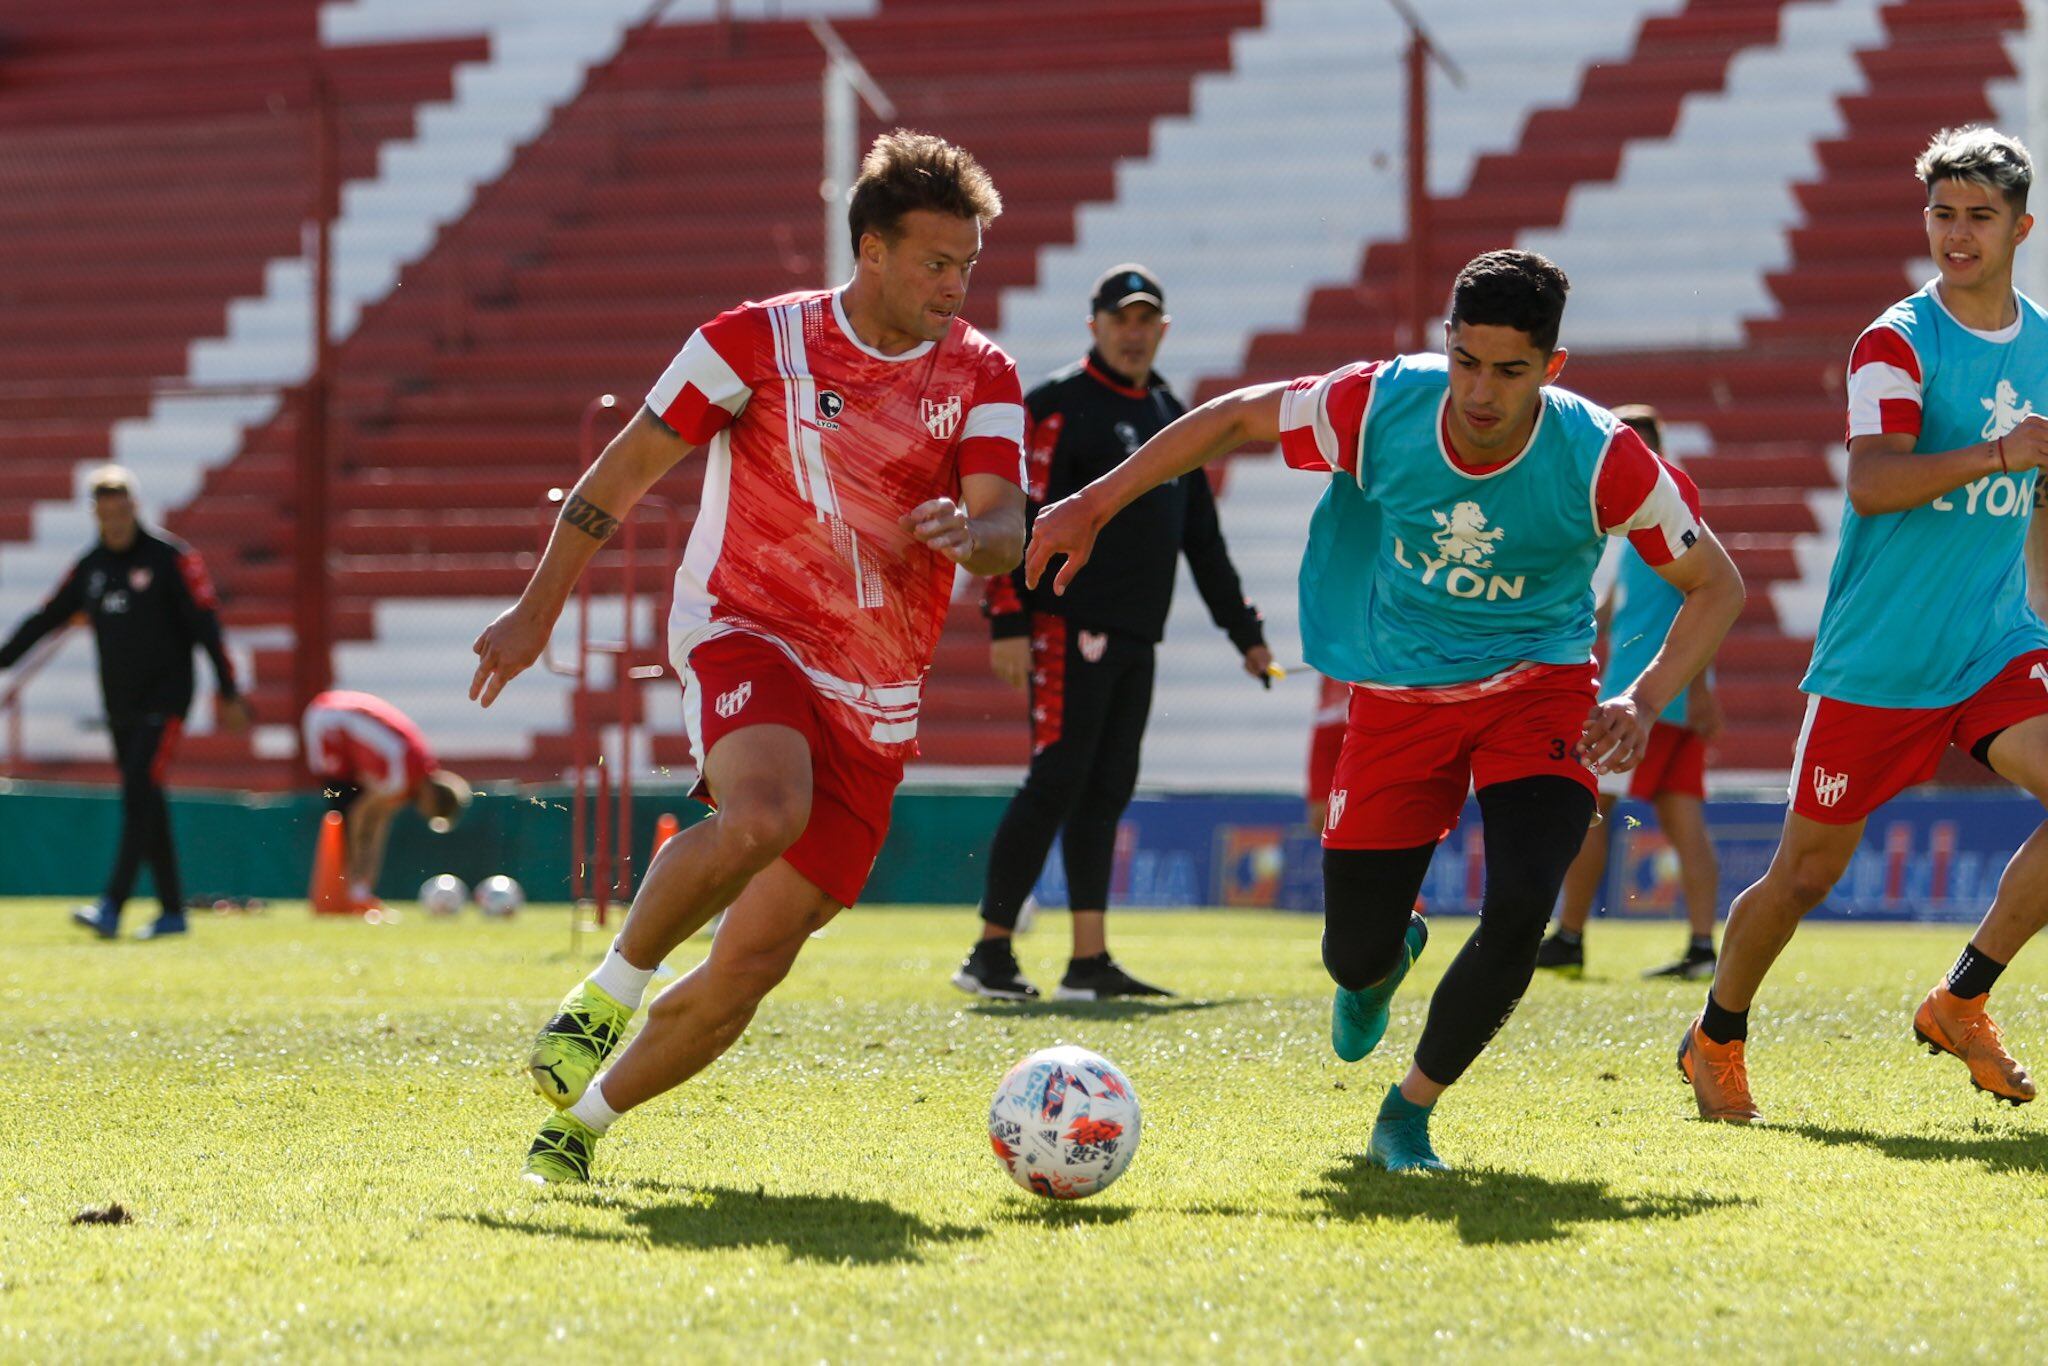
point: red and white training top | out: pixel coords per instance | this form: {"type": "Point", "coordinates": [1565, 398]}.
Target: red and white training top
{"type": "Point", "coordinates": [353, 737]}
{"type": "Point", "coordinates": [818, 444]}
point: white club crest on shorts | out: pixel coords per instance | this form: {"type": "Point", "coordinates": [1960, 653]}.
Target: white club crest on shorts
{"type": "Point", "coordinates": [942, 415]}
{"type": "Point", "coordinates": [1828, 787]}
{"type": "Point", "coordinates": [1093, 643]}
{"type": "Point", "coordinates": [729, 703]}
{"type": "Point", "coordinates": [1336, 819]}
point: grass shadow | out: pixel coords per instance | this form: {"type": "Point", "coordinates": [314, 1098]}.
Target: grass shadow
{"type": "Point", "coordinates": [1492, 1206]}
{"type": "Point", "coordinates": [815, 1228]}
{"type": "Point", "coordinates": [2021, 1151]}
{"type": "Point", "coordinates": [1095, 1010]}
{"type": "Point", "coordinates": [1063, 1213]}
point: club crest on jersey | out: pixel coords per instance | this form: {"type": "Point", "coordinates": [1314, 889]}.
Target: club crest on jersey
{"type": "Point", "coordinates": [830, 406]}
{"type": "Point", "coordinates": [2004, 411]}
{"type": "Point", "coordinates": [1093, 643]}
{"type": "Point", "coordinates": [729, 703]}
{"type": "Point", "coordinates": [942, 415]}
{"type": "Point", "coordinates": [1828, 787]}
{"type": "Point", "coordinates": [139, 578]}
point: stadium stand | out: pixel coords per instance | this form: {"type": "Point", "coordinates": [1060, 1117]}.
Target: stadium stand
{"type": "Point", "coordinates": [541, 200]}
{"type": "Point", "coordinates": [681, 178]}
{"type": "Point", "coordinates": [152, 180]}
{"type": "Point", "coordinates": [1506, 155]}
{"type": "Point", "coordinates": [1800, 257]}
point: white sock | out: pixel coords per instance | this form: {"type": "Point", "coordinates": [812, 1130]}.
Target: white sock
{"type": "Point", "coordinates": [361, 891]}
{"type": "Point", "coordinates": [620, 980]}
{"type": "Point", "coordinates": [593, 1109]}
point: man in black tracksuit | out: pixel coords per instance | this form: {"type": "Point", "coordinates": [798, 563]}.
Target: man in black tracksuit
{"type": "Point", "coordinates": [150, 602]}
{"type": "Point", "coordinates": [1088, 654]}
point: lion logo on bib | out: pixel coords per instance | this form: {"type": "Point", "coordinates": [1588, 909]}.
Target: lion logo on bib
{"type": "Point", "coordinates": [2006, 411]}
{"type": "Point", "coordinates": [1465, 538]}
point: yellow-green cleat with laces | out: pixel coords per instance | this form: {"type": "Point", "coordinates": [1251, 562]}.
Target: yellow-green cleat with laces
{"type": "Point", "coordinates": [560, 1155]}
{"type": "Point", "coordinates": [570, 1048]}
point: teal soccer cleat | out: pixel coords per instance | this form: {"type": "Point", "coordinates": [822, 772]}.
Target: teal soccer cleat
{"type": "Point", "coordinates": [1358, 1019]}
{"type": "Point", "coordinates": [1400, 1137]}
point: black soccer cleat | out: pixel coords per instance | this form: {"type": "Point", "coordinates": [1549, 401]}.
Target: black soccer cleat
{"type": "Point", "coordinates": [1555, 953]}
{"type": "Point", "coordinates": [1696, 966]}
{"type": "Point", "coordinates": [991, 970]}
{"type": "Point", "coordinates": [1100, 979]}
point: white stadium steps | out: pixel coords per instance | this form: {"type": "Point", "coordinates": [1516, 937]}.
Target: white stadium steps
{"type": "Point", "coordinates": [1674, 251]}
{"type": "Point", "coordinates": [1202, 688]}
{"type": "Point", "coordinates": [1249, 203]}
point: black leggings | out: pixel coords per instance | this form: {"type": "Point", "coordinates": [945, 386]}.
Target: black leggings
{"type": "Point", "coordinates": [1532, 830]}
{"type": "Point", "coordinates": [1088, 724]}
{"type": "Point", "coordinates": [142, 749]}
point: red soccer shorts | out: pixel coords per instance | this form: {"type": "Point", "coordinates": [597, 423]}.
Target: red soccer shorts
{"type": "Point", "coordinates": [736, 681]}
{"type": "Point", "coordinates": [1406, 766]}
{"type": "Point", "coordinates": [1675, 761]}
{"type": "Point", "coordinates": [1851, 760]}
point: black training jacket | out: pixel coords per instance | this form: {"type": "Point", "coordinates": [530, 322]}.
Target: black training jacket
{"type": "Point", "coordinates": [149, 605]}
{"type": "Point", "coordinates": [1079, 425]}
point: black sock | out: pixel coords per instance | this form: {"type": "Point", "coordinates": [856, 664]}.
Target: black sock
{"type": "Point", "coordinates": [1702, 943]}
{"type": "Point", "coordinates": [1571, 939]}
{"type": "Point", "coordinates": [1721, 1024]}
{"type": "Point", "coordinates": [1974, 974]}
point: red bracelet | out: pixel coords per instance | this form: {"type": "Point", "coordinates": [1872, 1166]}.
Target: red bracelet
{"type": "Point", "coordinates": [2001, 456]}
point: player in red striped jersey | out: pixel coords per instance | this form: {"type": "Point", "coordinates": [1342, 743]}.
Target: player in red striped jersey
{"type": "Point", "coordinates": [862, 443]}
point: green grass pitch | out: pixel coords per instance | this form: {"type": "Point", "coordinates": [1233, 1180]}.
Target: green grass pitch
{"type": "Point", "coordinates": [316, 1128]}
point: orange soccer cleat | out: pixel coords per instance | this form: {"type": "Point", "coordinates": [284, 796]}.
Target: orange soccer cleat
{"type": "Point", "coordinates": [1719, 1077]}
{"type": "Point", "coordinates": [1948, 1023]}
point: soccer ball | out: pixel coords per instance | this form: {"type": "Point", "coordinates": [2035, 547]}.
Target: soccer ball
{"type": "Point", "coordinates": [443, 894]}
{"type": "Point", "coordinates": [498, 896]}
{"type": "Point", "coordinates": [1064, 1123]}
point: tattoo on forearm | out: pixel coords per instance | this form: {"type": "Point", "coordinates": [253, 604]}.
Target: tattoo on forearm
{"type": "Point", "coordinates": [588, 518]}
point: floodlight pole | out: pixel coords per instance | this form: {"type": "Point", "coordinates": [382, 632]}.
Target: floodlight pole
{"type": "Point", "coordinates": [313, 655]}
{"type": "Point", "coordinates": [1422, 50]}
{"type": "Point", "coordinates": [847, 83]}
{"type": "Point", "coordinates": [2034, 72]}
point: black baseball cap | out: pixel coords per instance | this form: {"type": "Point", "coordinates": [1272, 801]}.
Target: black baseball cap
{"type": "Point", "coordinates": [1129, 283]}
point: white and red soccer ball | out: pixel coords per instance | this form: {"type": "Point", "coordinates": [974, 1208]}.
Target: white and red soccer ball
{"type": "Point", "coordinates": [1064, 1122]}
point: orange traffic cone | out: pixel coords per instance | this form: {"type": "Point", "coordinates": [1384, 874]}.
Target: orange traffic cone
{"type": "Point", "coordinates": [664, 830]}
{"type": "Point", "coordinates": [329, 892]}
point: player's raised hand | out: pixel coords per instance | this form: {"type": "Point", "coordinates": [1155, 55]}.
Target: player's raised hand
{"type": "Point", "coordinates": [1067, 528]}
{"type": "Point", "coordinates": [506, 649]}
{"type": "Point", "coordinates": [943, 525]}
{"type": "Point", "coordinates": [2026, 446]}
{"type": "Point", "coordinates": [1615, 736]}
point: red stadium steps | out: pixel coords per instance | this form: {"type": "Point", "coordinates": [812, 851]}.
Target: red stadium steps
{"type": "Point", "coordinates": [585, 265]}
{"type": "Point", "coordinates": [1507, 194]}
